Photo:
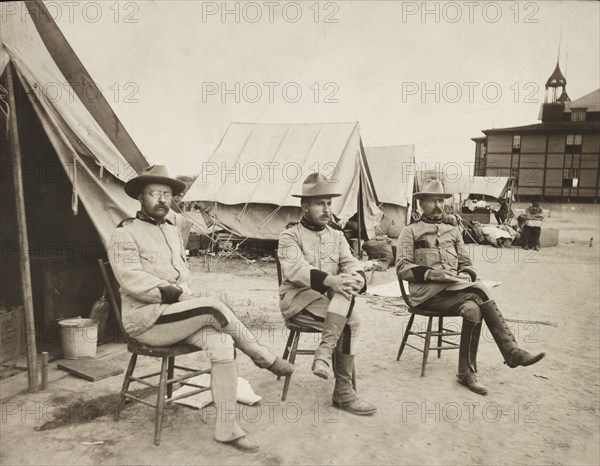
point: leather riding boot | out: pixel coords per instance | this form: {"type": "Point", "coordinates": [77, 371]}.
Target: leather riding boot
{"type": "Point", "coordinates": [467, 364]}
{"type": "Point", "coordinates": [344, 396]}
{"type": "Point", "coordinates": [223, 387]}
{"type": "Point", "coordinates": [332, 330]}
{"type": "Point", "coordinates": [513, 355]}
{"type": "Point", "coordinates": [474, 345]}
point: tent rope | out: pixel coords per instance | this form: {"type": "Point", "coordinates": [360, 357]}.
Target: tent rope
{"type": "Point", "coordinates": [101, 172]}
{"type": "Point", "coordinates": [270, 216]}
{"type": "Point", "coordinates": [239, 217]}
{"type": "Point", "coordinates": [3, 96]}
{"type": "Point", "coordinates": [74, 195]}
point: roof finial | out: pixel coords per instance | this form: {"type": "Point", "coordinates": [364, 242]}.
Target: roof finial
{"type": "Point", "coordinates": [559, 43]}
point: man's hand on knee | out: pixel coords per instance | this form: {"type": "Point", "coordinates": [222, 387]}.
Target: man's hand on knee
{"type": "Point", "coordinates": [359, 283]}
{"type": "Point", "coordinates": [343, 284]}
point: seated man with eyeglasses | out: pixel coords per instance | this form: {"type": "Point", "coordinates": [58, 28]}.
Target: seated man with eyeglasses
{"type": "Point", "coordinates": [147, 255]}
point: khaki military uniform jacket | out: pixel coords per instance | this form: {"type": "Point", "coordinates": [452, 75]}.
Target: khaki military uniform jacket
{"type": "Point", "coordinates": [145, 255]}
{"type": "Point", "coordinates": [307, 256]}
{"type": "Point", "coordinates": [439, 246]}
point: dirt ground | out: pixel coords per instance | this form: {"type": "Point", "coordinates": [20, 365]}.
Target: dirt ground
{"type": "Point", "coordinates": [544, 414]}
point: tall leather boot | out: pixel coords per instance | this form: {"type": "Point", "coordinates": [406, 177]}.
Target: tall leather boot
{"type": "Point", "coordinates": [344, 396]}
{"type": "Point", "coordinates": [223, 387]}
{"type": "Point", "coordinates": [513, 355]}
{"type": "Point", "coordinates": [467, 357]}
{"type": "Point", "coordinates": [332, 330]}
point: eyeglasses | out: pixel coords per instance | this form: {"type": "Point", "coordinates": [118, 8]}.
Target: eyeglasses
{"type": "Point", "coordinates": [158, 194]}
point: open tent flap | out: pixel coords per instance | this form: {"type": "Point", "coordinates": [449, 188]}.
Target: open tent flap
{"type": "Point", "coordinates": [96, 168]}
{"type": "Point", "coordinates": [100, 192]}
{"type": "Point", "coordinates": [73, 113]}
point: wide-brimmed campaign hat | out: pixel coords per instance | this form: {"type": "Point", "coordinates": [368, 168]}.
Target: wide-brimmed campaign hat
{"type": "Point", "coordinates": [317, 185]}
{"type": "Point", "coordinates": [153, 174]}
{"type": "Point", "coordinates": [432, 188]}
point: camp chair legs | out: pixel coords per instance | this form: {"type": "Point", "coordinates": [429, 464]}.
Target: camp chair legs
{"type": "Point", "coordinates": [166, 380]}
{"type": "Point", "coordinates": [291, 351]}
{"type": "Point", "coordinates": [125, 387]}
{"type": "Point", "coordinates": [167, 354]}
{"type": "Point", "coordinates": [441, 334]}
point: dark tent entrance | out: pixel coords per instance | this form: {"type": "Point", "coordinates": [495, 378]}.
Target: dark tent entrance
{"type": "Point", "coordinates": [63, 247]}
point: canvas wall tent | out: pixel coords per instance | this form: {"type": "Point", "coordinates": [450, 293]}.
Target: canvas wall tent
{"type": "Point", "coordinates": [247, 184]}
{"type": "Point", "coordinates": [75, 156]}
{"type": "Point", "coordinates": [393, 171]}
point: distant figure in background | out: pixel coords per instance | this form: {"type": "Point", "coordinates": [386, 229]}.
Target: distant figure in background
{"type": "Point", "coordinates": [533, 225]}
{"type": "Point", "coordinates": [502, 213]}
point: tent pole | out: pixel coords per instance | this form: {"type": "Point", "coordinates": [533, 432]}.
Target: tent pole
{"type": "Point", "coordinates": [25, 270]}
{"type": "Point", "coordinates": [360, 219]}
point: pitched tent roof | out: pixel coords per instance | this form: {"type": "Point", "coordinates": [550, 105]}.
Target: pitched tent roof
{"type": "Point", "coordinates": [393, 172]}
{"type": "Point", "coordinates": [94, 150]}
{"type": "Point", "coordinates": [247, 184]}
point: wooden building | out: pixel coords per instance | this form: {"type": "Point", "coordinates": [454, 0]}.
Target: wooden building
{"type": "Point", "coordinates": [557, 159]}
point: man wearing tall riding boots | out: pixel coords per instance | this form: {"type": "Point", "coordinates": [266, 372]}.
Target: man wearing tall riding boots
{"type": "Point", "coordinates": [433, 259]}
{"type": "Point", "coordinates": [321, 279]}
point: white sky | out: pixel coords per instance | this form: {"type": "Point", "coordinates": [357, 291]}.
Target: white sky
{"type": "Point", "coordinates": [372, 54]}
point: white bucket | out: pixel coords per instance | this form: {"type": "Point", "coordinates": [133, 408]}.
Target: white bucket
{"type": "Point", "coordinates": [79, 337]}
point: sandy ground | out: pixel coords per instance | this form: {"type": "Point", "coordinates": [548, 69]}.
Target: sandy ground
{"type": "Point", "coordinates": [544, 414]}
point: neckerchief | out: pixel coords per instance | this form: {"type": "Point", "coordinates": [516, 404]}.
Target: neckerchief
{"type": "Point", "coordinates": [431, 220]}
{"type": "Point", "coordinates": [311, 226]}
{"type": "Point", "coordinates": [146, 218]}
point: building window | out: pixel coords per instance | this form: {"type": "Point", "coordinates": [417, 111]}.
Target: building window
{"type": "Point", "coordinates": [573, 143]}
{"type": "Point", "coordinates": [482, 150]}
{"type": "Point", "coordinates": [514, 173]}
{"type": "Point", "coordinates": [570, 178]}
{"type": "Point", "coordinates": [516, 142]}
{"type": "Point", "coordinates": [578, 115]}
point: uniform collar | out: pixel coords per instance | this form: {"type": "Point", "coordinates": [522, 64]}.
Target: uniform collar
{"type": "Point", "coordinates": [310, 225]}
{"type": "Point", "coordinates": [146, 218]}
{"type": "Point", "coordinates": [431, 220]}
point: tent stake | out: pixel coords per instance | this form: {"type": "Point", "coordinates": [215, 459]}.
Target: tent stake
{"type": "Point", "coordinates": [25, 270]}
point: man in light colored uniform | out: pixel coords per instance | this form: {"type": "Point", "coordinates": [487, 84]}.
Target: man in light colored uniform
{"type": "Point", "coordinates": [321, 279]}
{"type": "Point", "coordinates": [147, 256]}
